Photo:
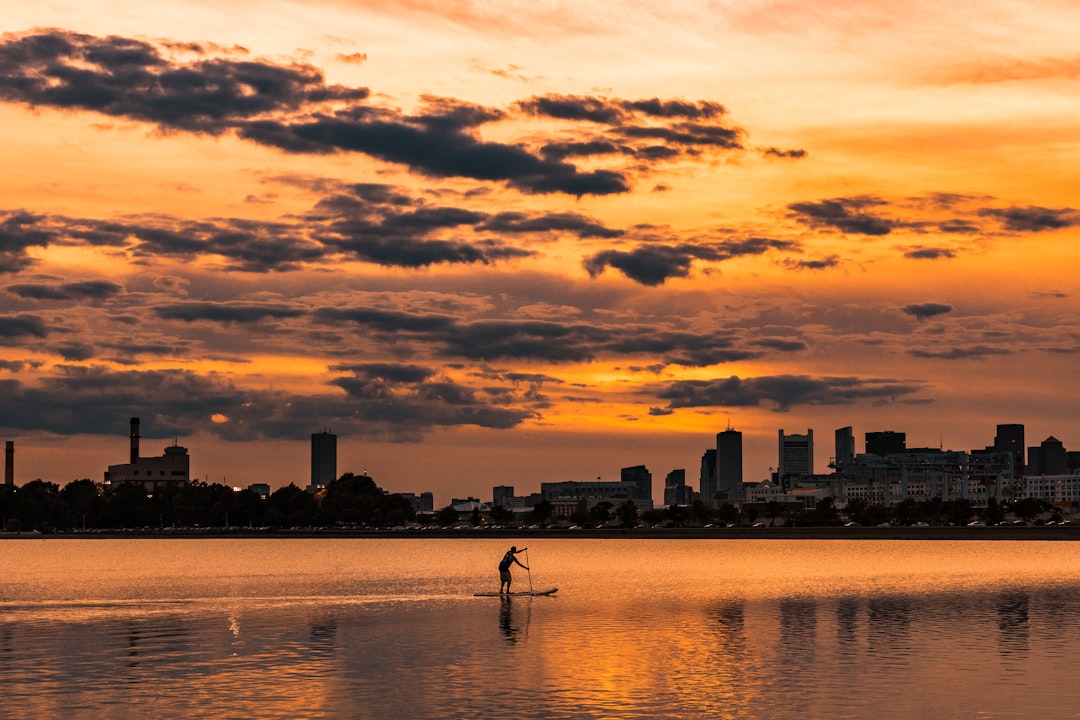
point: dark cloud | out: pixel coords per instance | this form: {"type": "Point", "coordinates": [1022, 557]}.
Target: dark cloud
{"type": "Point", "coordinates": [372, 403]}
{"type": "Point", "coordinates": [85, 290]}
{"type": "Point", "coordinates": [660, 412]}
{"type": "Point", "coordinates": [574, 107]}
{"type": "Point", "coordinates": [16, 326]}
{"type": "Point", "coordinates": [779, 344]}
{"type": "Point", "coordinates": [433, 149]}
{"type": "Point", "coordinates": [649, 264]}
{"type": "Point", "coordinates": [556, 342]}
{"type": "Point", "coordinates": [243, 313]}
{"type": "Point", "coordinates": [516, 222]}
{"type": "Point", "coordinates": [20, 230]}
{"type": "Point", "coordinates": [957, 226]}
{"type": "Point", "coordinates": [394, 372]}
{"type": "Point", "coordinates": [1033, 218]}
{"type": "Point", "coordinates": [122, 77]}
{"type": "Point", "coordinates": [782, 391]}
{"type": "Point", "coordinates": [385, 321]}
{"type": "Point", "coordinates": [563, 150]}
{"type": "Point", "coordinates": [686, 134]}
{"type": "Point", "coordinates": [654, 264]}
{"type": "Point", "coordinates": [690, 349]}
{"type": "Point", "coordinates": [785, 154]}
{"type": "Point", "coordinates": [922, 311]}
{"type": "Point", "coordinates": [290, 108]}
{"type": "Point", "coordinates": [820, 264]}
{"type": "Point", "coordinates": [970, 353]}
{"type": "Point", "coordinates": [845, 214]}
{"type": "Point", "coordinates": [609, 111]}
{"type": "Point", "coordinates": [74, 352]}
{"type": "Point", "coordinates": [406, 397]}
{"type": "Point", "coordinates": [930, 253]}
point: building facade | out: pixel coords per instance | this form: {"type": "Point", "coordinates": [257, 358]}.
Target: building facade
{"type": "Point", "coordinates": [796, 455]}
{"type": "Point", "coordinates": [729, 464]}
{"type": "Point", "coordinates": [323, 460]}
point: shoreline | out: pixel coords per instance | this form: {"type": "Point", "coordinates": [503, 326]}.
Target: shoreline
{"type": "Point", "coordinates": [1027, 532]}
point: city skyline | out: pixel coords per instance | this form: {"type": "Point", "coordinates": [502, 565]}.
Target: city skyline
{"type": "Point", "coordinates": [499, 244]}
{"type": "Point", "coordinates": [727, 453]}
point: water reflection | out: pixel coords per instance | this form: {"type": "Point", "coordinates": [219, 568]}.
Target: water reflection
{"type": "Point", "coordinates": [787, 640]}
{"type": "Point", "coordinates": [506, 620]}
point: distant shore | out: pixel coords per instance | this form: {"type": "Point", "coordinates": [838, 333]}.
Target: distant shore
{"type": "Point", "coordinates": [1056, 532]}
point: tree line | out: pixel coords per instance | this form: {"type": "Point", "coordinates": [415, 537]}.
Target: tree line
{"type": "Point", "coordinates": [86, 505]}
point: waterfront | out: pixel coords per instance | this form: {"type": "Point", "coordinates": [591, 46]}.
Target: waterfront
{"type": "Point", "coordinates": [640, 628]}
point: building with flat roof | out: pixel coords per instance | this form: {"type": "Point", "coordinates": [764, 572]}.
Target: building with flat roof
{"type": "Point", "coordinates": [729, 465]}
{"type": "Point", "coordinates": [323, 460]}
{"type": "Point", "coordinates": [796, 455]}
{"type": "Point", "coordinates": [171, 469]}
{"type": "Point", "coordinates": [640, 476]}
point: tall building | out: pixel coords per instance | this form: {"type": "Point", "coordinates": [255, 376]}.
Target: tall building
{"type": "Point", "coordinates": [1010, 438]}
{"type": "Point", "coordinates": [1053, 460]}
{"type": "Point", "coordinates": [323, 459]}
{"type": "Point", "coordinates": [886, 442]}
{"type": "Point", "coordinates": [676, 491]}
{"type": "Point", "coordinates": [9, 463]}
{"type": "Point", "coordinates": [707, 483]}
{"type": "Point", "coordinates": [845, 445]}
{"type": "Point", "coordinates": [796, 455]}
{"type": "Point", "coordinates": [729, 475]}
{"type": "Point", "coordinates": [641, 477]}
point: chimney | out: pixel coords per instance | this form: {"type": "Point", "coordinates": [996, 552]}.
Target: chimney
{"type": "Point", "coordinates": [9, 463]}
{"type": "Point", "coordinates": [134, 440]}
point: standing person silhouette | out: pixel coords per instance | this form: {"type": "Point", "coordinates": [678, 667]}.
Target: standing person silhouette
{"type": "Point", "coordinates": [504, 568]}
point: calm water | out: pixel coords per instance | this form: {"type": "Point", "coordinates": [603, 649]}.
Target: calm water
{"type": "Point", "coordinates": [371, 628]}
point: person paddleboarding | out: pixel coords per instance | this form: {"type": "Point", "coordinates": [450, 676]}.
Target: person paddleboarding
{"type": "Point", "coordinates": [504, 568]}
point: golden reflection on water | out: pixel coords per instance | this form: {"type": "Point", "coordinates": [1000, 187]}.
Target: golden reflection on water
{"type": "Point", "coordinates": [639, 629]}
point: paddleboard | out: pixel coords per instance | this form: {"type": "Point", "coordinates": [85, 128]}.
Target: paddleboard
{"type": "Point", "coordinates": [524, 593]}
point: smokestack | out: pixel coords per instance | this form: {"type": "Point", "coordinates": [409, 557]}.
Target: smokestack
{"type": "Point", "coordinates": [134, 440]}
{"type": "Point", "coordinates": [9, 463]}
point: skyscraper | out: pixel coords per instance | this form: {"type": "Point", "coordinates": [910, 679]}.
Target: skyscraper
{"type": "Point", "coordinates": [796, 455]}
{"type": "Point", "coordinates": [1010, 438]}
{"type": "Point", "coordinates": [729, 475]}
{"type": "Point", "coordinates": [641, 477]}
{"type": "Point", "coordinates": [845, 445]}
{"type": "Point", "coordinates": [707, 485]}
{"type": "Point", "coordinates": [323, 459]}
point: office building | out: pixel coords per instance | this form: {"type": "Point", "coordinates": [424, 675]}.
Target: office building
{"type": "Point", "coordinates": [796, 455]}
{"type": "Point", "coordinates": [323, 460]}
{"type": "Point", "coordinates": [9, 463]}
{"type": "Point", "coordinates": [501, 495]}
{"type": "Point", "coordinates": [1010, 438]}
{"type": "Point", "coordinates": [707, 481]}
{"type": "Point", "coordinates": [676, 491]}
{"type": "Point", "coordinates": [845, 446]}
{"type": "Point", "coordinates": [1053, 460]}
{"type": "Point", "coordinates": [641, 477]}
{"type": "Point", "coordinates": [729, 470]}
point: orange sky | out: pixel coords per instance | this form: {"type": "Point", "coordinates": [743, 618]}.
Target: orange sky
{"type": "Point", "coordinates": [511, 243]}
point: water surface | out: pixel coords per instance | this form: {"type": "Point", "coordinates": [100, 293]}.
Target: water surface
{"type": "Point", "coordinates": [388, 628]}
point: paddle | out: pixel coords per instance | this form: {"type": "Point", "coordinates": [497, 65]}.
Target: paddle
{"type": "Point", "coordinates": [528, 568]}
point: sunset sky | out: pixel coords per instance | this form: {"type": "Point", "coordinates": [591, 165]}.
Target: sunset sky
{"type": "Point", "coordinates": [515, 242]}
